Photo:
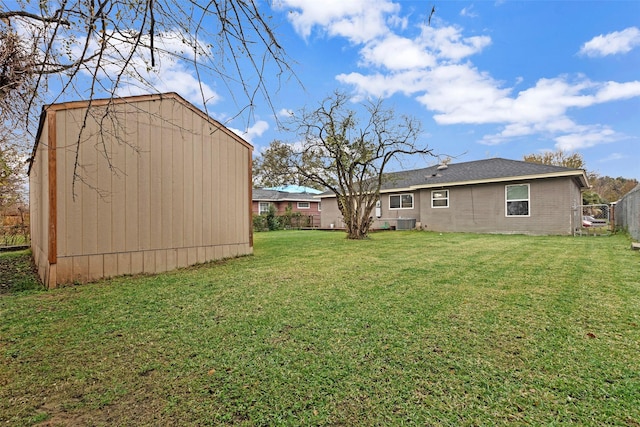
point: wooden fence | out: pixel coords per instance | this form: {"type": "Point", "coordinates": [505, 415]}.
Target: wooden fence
{"type": "Point", "coordinates": [14, 228]}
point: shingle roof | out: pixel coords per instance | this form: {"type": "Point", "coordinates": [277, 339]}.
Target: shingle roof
{"type": "Point", "coordinates": [291, 188]}
{"type": "Point", "coordinates": [264, 195]}
{"type": "Point", "coordinates": [479, 171]}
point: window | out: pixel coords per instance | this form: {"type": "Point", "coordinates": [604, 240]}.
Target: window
{"type": "Point", "coordinates": [303, 205]}
{"type": "Point", "coordinates": [319, 206]}
{"type": "Point", "coordinates": [440, 199]}
{"type": "Point", "coordinates": [517, 200]}
{"type": "Point", "coordinates": [263, 207]}
{"type": "Point", "coordinates": [401, 201]}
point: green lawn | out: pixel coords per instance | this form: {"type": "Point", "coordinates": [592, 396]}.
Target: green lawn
{"type": "Point", "coordinates": [407, 328]}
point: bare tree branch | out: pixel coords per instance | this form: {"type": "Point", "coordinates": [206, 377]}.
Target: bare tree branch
{"type": "Point", "coordinates": [349, 159]}
{"type": "Point", "coordinates": [88, 49]}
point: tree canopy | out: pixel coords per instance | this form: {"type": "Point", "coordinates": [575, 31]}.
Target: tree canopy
{"type": "Point", "coordinates": [11, 167]}
{"type": "Point", "coordinates": [604, 189]}
{"type": "Point", "coordinates": [271, 168]}
{"type": "Point", "coordinates": [347, 152]}
{"type": "Point", "coordinates": [557, 158]}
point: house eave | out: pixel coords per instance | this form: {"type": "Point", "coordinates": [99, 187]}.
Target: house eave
{"type": "Point", "coordinates": [577, 174]}
{"type": "Point", "coordinates": [580, 175]}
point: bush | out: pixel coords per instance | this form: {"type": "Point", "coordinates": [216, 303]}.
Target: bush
{"type": "Point", "coordinates": [260, 223]}
{"type": "Point", "coordinates": [268, 221]}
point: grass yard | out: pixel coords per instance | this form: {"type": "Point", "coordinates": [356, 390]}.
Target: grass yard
{"type": "Point", "coordinates": [407, 328]}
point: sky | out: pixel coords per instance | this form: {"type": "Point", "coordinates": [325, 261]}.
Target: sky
{"type": "Point", "coordinates": [485, 78]}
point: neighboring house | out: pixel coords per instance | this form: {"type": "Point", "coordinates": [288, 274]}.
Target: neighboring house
{"type": "Point", "coordinates": [160, 185]}
{"type": "Point", "coordinates": [301, 200]}
{"type": "Point", "coordinates": [484, 196]}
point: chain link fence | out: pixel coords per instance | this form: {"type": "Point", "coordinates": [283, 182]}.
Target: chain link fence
{"type": "Point", "coordinates": [14, 236]}
{"type": "Point", "coordinates": [593, 220]}
{"type": "Point", "coordinates": [627, 213]}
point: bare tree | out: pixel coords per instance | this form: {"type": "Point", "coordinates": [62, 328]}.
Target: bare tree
{"type": "Point", "coordinates": [349, 156]}
{"type": "Point", "coordinates": [107, 44]}
{"type": "Point", "coordinates": [88, 49]}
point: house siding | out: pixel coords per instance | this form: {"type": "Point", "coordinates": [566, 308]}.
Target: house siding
{"type": "Point", "coordinates": [281, 207]}
{"type": "Point", "coordinates": [330, 213]}
{"type": "Point", "coordinates": [330, 216]}
{"type": "Point", "coordinates": [480, 208]}
{"type": "Point", "coordinates": [161, 187]}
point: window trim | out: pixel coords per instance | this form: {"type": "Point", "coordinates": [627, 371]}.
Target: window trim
{"type": "Point", "coordinates": [260, 210]}
{"type": "Point", "coordinates": [304, 207]}
{"type": "Point", "coordinates": [440, 198]}
{"type": "Point", "coordinates": [506, 200]}
{"type": "Point", "coordinates": [400, 196]}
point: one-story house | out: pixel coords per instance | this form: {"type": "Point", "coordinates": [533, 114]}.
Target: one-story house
{"type": "Point", "coordinates": [484, 196]}
{"type": "Point", "coordinates": [294, 199]}
{"type": "Point", "coordinates": [153, 185]}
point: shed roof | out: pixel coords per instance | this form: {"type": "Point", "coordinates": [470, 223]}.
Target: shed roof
{"type": "Point", "coordinates": [475, 172]}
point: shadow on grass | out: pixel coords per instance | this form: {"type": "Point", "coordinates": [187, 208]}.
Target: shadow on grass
{"type": "Point", "coordinates": [18, 273]}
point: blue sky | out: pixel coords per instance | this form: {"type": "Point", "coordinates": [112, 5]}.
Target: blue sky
{"type": "Point", "coordinates": [487, 79]}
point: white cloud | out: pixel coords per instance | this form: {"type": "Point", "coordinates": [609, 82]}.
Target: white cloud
{"type": "Point", "coordinates": [252, 132]}
{"type": "Point", "coordinates": [357, 20]}
{"type": "Point", "coordinates": [613, 91]}
{"type": "Point", "coordinates": [449, 43]}
{"type": "Point", "coordinates": [285, 113]}
{"type": "Point", "coordinates": [468, 12]}
{"type": "Point", "coordinates": [586, 136]}
{"type": "Point", "coordinates": [435, 68]}
{"type": "Point", "coordinates": [171, 74]}
{"type": "Point", "coordinates": [397, 53]}
{"type": "Point", "coordinates": [462, 94]}
{"type": "Point", "coordinates": [384, 85]}
{"type": "Point", "coordinates": [618, 42]}
{"type": "Point", "coordinates": [613, 157]}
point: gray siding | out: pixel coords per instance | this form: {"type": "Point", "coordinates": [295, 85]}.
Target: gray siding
{"type": "Point", "coordinates": [480, 208]}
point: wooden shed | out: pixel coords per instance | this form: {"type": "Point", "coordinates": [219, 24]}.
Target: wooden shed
{"type": "Point", "coordinates": [141, 184]}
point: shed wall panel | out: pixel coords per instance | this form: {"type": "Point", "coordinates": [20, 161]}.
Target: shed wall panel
{"type": "Point", "coordinates": [154, 191]}
{"type": "Point", "coordinates": [144, 190]}
{"type": "Point", "coordinates": [39, 207]}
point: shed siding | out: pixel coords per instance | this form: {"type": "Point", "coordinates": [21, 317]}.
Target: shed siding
{"type": "Point", "coordinates": [39, 202]}
{"type": "Point", "coordinates": [160, 187]}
